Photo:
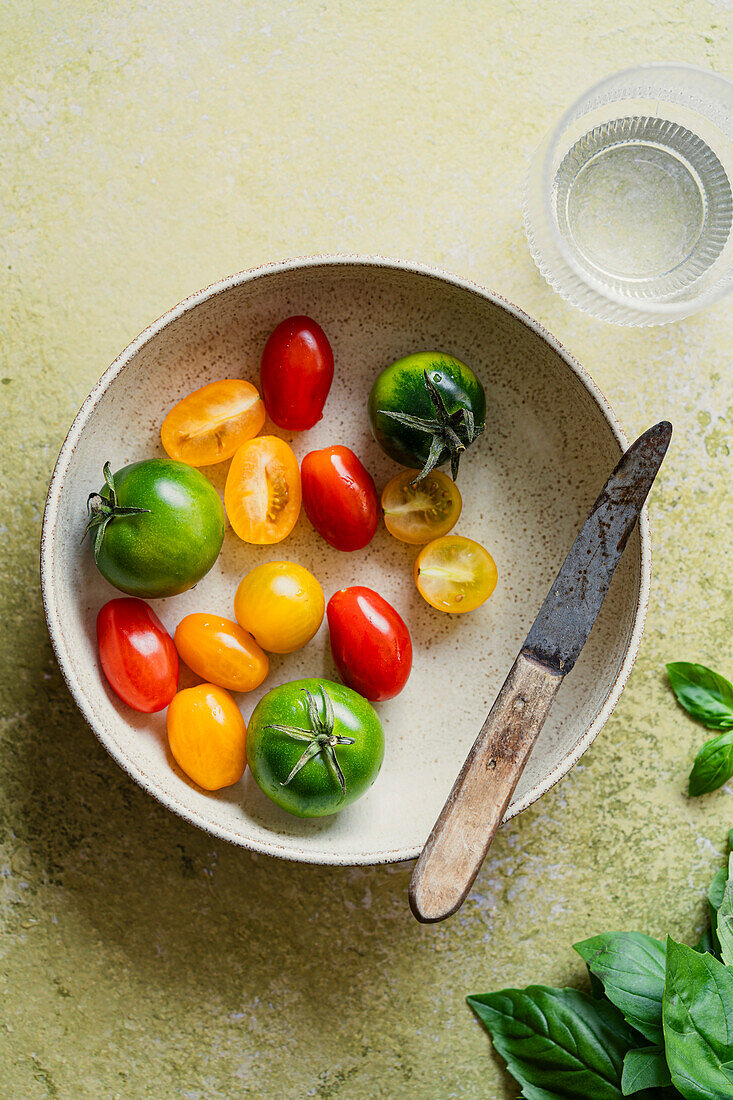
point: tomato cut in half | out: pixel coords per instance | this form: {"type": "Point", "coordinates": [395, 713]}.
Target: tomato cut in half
{"type": "Point", "coordinates": [339, 497]}
{"type": "Point", "coordinates": [219, 651]}
{"type": "Point", "coordinates": [419, 512]}
{"type": "Point", "coordinates": [210, 424]}
{"type": "Point", "coordinates": [370, 643]}
{"type": "Point", "coordinates": [296, 373]}
{"type": "Point", "coordinates": [262, 494]}
{"type": "Point", "coordinates": [137, 654]}
{"type": "Point", "coordinates": [455, 574]}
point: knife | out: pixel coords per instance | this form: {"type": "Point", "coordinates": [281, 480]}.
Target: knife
{"type": "Point", "coordinates": [474, 810]}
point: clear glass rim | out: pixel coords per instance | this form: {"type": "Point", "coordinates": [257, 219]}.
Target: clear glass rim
{"type": "Point", "coordinates": [641, 311]}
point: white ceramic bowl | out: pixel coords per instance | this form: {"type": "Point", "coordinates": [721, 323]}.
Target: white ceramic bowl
{"type": "Point", "coordinates": [551, 439]}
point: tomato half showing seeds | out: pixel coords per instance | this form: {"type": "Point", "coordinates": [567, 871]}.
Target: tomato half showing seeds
{"type": "Point", "coordinates": [207, 736]}
{"type": "Point", "coordinates": [218, 650]}
{"type": "Point", "coordinates": [210, 424]}
{"type": "Point", "coordinates": [262, 493]}
{"type": "Point", "coordinates": [419, 512]}
{"type": "Point", "coordinates": [455, 574]}
{"type": "Point", "coordinates": [314, 746]}
{"type": "Point", "coordinates": [370, 643]}
{"type": "Point", "coordinates": [339, 497]}
{"type": "Point", "coordinates": [137, 654]}
{"type": "Point", "coordinates": [156, 527]}
{"type": "Point", "coordinates": [280, 604]}
{"type": "Point", "coordinates": [296, 373]}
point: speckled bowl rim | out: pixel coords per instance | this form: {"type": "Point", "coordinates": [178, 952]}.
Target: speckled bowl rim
{"type": "Point", "coordinates": [273, 847]}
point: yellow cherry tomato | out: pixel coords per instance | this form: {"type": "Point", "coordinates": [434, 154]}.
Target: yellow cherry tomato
{"type": "Point", "coordinates": [210, 424]}
{"type": "Point", "coordinates": [207, 736]}
{"type": "Point", "coordinates": [455, 574]}
{"type": "Point", "coordinates": [262, 493]}
{"type": "Point", "coordinates": [218, 650]}
{"type": "Point", "coordinates": [281, 604]}
{"type": "Point", "coordinates": [421, 512]}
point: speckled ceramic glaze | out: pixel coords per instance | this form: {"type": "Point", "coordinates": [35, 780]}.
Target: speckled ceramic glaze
{"type": "Point", "coordinates": [550, 442]}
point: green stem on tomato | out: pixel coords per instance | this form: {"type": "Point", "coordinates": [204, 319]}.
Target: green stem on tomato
{"type": "Point", "coordinates": [442, 430]}
{"type": "Point", "coordinates": [320, 738]}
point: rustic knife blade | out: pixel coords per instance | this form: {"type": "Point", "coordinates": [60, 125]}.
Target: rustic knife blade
{"type": "Point", "coordinates": [571, 607]}
{"type": "Point", "coordinates": [475, 807]}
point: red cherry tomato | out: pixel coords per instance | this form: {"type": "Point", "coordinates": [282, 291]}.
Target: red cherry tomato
{"type": "Point", "coordinates": [370, 643]}
{"type": "Point", "coordinates": [296, 373]}
{"type": "Point", "coordinates": [339, 497]}
{"type": "Point", "coordinates": [137, 654]}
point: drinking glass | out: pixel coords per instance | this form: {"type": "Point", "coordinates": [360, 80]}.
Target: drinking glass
{"type": "Point", "coordinates": [628, 206]}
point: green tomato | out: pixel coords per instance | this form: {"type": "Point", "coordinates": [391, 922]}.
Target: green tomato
{"type": "Point", "coordinates": [157, 527]}
{"type": "Point", "coordinates": [314, 746]}
{"type": "Point", "coordinates": [426, 409]}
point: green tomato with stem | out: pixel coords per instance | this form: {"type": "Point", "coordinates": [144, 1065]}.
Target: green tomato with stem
{"type": "Point", "coordinates": [314, 746]}
{"type": "Point", "coordinates": [427, 409]}
{"type": "Point", "coordinates": [156, 527]}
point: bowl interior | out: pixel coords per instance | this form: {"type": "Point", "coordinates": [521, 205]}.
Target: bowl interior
{"type": "Point", "coordinates": [527, 485]}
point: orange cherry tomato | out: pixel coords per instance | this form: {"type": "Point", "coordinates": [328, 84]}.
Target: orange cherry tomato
{"type": "Point", "coordinates": [218, 650]}
{"type": "Point", "coordinates": [262, 494]}
{"type": "Point", "coordinates": [281, 604]}
{"type": "Point", "coordinates": [211, 423]}
{"type": "Point", "coordinates": [207, 736]}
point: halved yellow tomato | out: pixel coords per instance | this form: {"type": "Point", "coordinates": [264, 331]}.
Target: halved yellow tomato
{"type": "Point", "coordinates": [455, 574]}
{"type": "Point", "coordinates": [211, 423]}
{"type": "Point", "coordinates": [262, 493]}
{"type": "Point", "coordinates": [218, 650]}
{"type": "Point", "coordinates": [281, 604]}
{"type": "Point", "coordinates": [417, 513]}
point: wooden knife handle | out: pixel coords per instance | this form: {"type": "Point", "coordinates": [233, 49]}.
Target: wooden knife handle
{"type": "Point", "coordinates": [475, 807]}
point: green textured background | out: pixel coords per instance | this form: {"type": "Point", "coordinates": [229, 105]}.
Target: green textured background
{"type": "Point", "coordinates": [147, 150]}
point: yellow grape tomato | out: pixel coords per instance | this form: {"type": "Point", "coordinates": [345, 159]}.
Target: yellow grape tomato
{"type": "Point", "coordinates": [262, 495]}
{"type": "Point", "coordinates": [417, 513]}
{"type": "Point", "coordinates": [281, 605]}
{"type": "Point", "coordinates": [207, 736]}
{"type": "Point", "coordinates": [455, 574]}
{"type": "Point", "coordinates": [210, 424]}
{"type": "Point", "coordinates": [218, 650]}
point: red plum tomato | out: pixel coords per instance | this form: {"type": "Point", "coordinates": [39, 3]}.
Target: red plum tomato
{"type": "Point", "coordinates": [137, 654]}
{"type": "Point", "coordinates": [339, 497]}
{"type": "Point", "coordinates": [296, 373]}
{"type": "Point", "coordinates": [370, 643]}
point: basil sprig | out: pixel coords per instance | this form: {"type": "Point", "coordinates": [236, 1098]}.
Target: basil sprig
{"type": "Point", "coordinates": [659, 1024]}
{"type": "Point", "coordinates": [708, 697]}
{"type": "Point", "coordinates": [698, 1023]}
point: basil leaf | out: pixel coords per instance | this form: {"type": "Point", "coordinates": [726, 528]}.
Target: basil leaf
{"type": "Point", "coordinates": [698, 1023]}
{"type": "Point", "coordinates": [644, 1069]}
{"type": "Point", "coordinates": [716, 889]}
{"type": "Point", "coordinates": [713, 765]}
{"type": "Point", "coordinates": [631, 967]}
{"type": "Point", "coordinates": [724, 926]}
{"type": "Point", "coordinates": [703, 693]}
{"type": "Point", "coordinates": [558, 1044]}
